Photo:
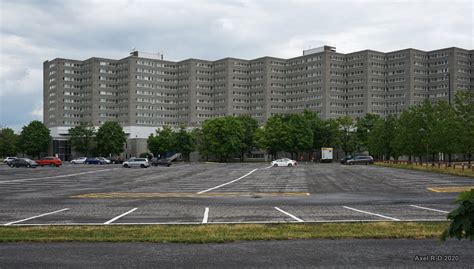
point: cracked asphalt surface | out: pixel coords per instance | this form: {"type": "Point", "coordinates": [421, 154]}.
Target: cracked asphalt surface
{"type": "Point", "coordinates": [311, 192]}
{"type": "Point", "coordinates": [393, 253]}
{"type": "Point", "coordinates": [78, 194]}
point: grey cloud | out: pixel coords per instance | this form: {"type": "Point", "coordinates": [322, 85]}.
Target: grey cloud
{"type": "Point", "coordinates": [34, 31]}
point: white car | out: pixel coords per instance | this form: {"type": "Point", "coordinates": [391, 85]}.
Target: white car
{"type": "Point", "coordinates": [284, 162]}
{"type": "Point", "coordinates": [8, 159]}
{"type": "Point", "coordinates": [137, 162]}
{"type": "Point", "coordinates": [79, 160]}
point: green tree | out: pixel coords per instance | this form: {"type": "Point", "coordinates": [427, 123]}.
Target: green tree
{"type": "Point", "coordinates": [298, 135]}
{"type": "Point", "coordinates": [319, 131]}
{"type": "Point", "coordinates": [185, 142]}
{"type": "Point", "coordinates": [381, 139]}
{"type": "Point", "coordinates": [222, 136]}
{"type": "Point", "coordinates": [8, 142]}
{"type": "Point", "coordinates": [464, 111]}
{"type": "Point", "coordinates": [364, 126]}
{"type": "Point", "coordinates": [81, 138]}
{"type": "Point", "coordinates": [164, 141]}
{"type": "Point", "coordinates": [200, 143]}
{"type": "Point", "coordinates": [110, 139]}
{"type": "Point", "coordinates": [249, 125]}
{"type": "Point", "coordinates": [34, 138]}
{"type": "Point", "coordinates": [444, 134]}
{"type": "Point", "coordinates": [272, 136]}
{"type": "Point", "coordinates": [414, 133]}
{"type": "Point", "coordinates": [346, 134]}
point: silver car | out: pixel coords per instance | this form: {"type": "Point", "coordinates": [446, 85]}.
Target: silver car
{"type": "Point", "coordinates": [104, 160]}
{"type": "Point", "coordinates": [137, 162]}
{"type": "Point", "coordinates": [80, 160]}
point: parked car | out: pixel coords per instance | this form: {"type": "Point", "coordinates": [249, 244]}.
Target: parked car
{"type": "Point", "coordinates": [104, 160]}
{"type": "Point", "coordinates": [137, 162]}
{"type": "Point", "coordinates": [22, 162]}
{"type": "Point", "coordinates": [53, 161]}
{"type": "Point", "coordinates": [114, 160]}
{"type": "Point", "coordinates": [79, 160]}
{"type": "Point", "coordinates": [94, 161]}
{"type": "Point", "coordinates": [360, 160]}
{"type": "Point", "coordinates": [165, 162]}
{"type": "Point", "coordinates": [344, 160]}
{"type": "Point", "coordinates": [284, 162]}
{"type": "Point", "coordinates": [9, 159]}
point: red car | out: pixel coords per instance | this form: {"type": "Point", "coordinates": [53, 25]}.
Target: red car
{"type": "Point", "coordinates": [50, 161]}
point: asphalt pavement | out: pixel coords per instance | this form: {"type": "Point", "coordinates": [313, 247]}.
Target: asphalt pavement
{"type": "Point", "coordinates": [230, 193]}
{"type": "Point", "coordinates": [373, 253]}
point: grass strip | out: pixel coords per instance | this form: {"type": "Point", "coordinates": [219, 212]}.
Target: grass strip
{"type": "Point", "coordinates": [221, 233]}
{"type": "Point", "coordinates": [450, 171]}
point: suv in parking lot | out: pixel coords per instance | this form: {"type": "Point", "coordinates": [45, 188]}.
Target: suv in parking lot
{"type": "Point", "coordinates": [9, 159]}
{"type": "Point", "coordinates": [361, 160]}
{"type": "Point", "coordinates": [53, 161]}
{"type": "Point", "coordinates": [137, 162]}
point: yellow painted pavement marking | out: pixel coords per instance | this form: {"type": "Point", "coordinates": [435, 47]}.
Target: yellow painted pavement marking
{"type": "Point", "coordinates": [185, 194]}
{"type": "Point", "coordinates": [451, 188]}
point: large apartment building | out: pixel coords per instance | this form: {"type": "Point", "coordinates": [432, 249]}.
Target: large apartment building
{"type": "Point", "coordinates": [143, 91]}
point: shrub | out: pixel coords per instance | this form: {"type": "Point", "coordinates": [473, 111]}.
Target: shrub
{"type": "Point", "coordinates": [462, 218]}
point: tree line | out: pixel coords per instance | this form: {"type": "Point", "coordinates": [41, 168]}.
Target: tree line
{"type": "Point", "coordinates": [32, 141]}
{"type": "Point", "coordinates": [427, 129]}
{"type": "Point", "coordinates": [35, 139]}
{"type": "Point", "coordinates": [422, 130]}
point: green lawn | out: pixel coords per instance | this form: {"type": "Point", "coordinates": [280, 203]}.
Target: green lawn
{"type": "Point", "coordinates": [450, 170]}
{"type": "Point", "coordinates": [221, 233]}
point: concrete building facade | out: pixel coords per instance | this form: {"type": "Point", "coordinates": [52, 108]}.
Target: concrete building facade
{"type": "Point", "coordinates": [144, 92]}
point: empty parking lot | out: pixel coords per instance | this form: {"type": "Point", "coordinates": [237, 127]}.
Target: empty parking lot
{"type": "Point", "coordinates": [220, 193]}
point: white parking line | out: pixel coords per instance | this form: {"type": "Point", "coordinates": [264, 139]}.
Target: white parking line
{"type": "Point", "coordinates": [268, 167]}
{"type": "Point", "coordinates": [222, 185]}
{"type": "Point", "coordinates": [119, 216]}
{"type": "Point", "coordinates": [370, 213]}
{"type": "Point", "coordinates": [34, 217]}
{"type": "Point", "coordinates": [432, 209]}
{"type": "Point", "coordinates": [206, 215]}
{"type": "Point", "coordinates": [60, 176]}
{"type": "Point", "coordinates": [284, 212]}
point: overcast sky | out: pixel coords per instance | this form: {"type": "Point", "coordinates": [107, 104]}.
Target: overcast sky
{"type": "Point", "coordinates": [34, 31]}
